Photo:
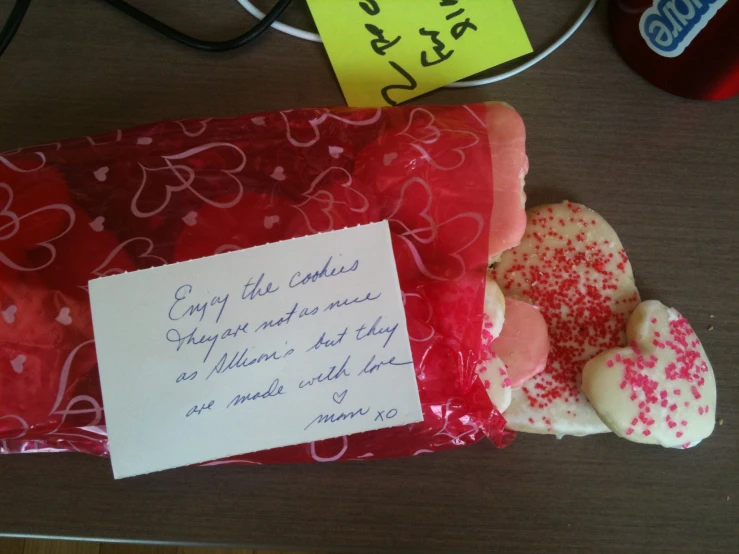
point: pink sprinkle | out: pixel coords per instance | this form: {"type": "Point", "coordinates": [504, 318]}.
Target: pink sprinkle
{"type": "Point", "coordinates": [687, 404]}
{"type": "Point", "coordinates": [657, 334]}
{"type": "Point", "coordinates": [706, 409]}
{"type": "Point", "coordinates": [629, 431]}
{"type": "Point", "coordinates": [700, 410]}
{"type": "Point", "coordinates": [663, 394]}
{"type": "Point", "coordinates": [634, 421]}
{"type": "Point", "coordinates": [684, 423]}
{"type": "Point", "coordinates": [623, 384]}
{"type": "Point", "coordinates": [679, 434]}
{"type": "Point", "coordinates": [663, 403]}
{"type": "Point", "coordinates": [686, 445]}
{"type": "Point", "coordinates": [618, 357]}
{"type": "Point", "coordinates": [695, 392]}
{"type": "Point", "coordinates": [672, 424]}
{"type": "Point", "coordinates": [654, 320]}
{"type": "Point", "coordinates": [677, 392]}
{"type": "Point", "coordinates": [646, 432]}
{"type": "Point", "coordinates": [506, 382]}
{"type": "Point", "coordinates": [609, 363]}
{"type": "Point", "coordinates": [673, 407]}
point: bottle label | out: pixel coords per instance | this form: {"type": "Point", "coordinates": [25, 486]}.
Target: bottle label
{"type": "Point", "coordinates": [669, 26]}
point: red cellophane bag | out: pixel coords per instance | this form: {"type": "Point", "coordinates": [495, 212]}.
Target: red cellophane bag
{"type": "Point", "coordinates": [131, 199]}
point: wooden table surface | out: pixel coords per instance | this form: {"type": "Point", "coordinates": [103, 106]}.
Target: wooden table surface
{"type": "Point", "coordinates": [664, 171]}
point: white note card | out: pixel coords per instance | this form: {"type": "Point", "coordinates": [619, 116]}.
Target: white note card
{"type": "Point", "coordinates": [281, 344]}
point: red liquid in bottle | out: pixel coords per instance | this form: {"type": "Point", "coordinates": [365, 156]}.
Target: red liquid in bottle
{"type": "Point", "coordinates": [687, 47]}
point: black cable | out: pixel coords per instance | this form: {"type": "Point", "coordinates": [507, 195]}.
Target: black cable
{"type": "Point", "coordinates": [13, 23]}
{"type": "Point", "coordinates": [19, 10]}
{"type": "Point", "coordinates": [207, 45]}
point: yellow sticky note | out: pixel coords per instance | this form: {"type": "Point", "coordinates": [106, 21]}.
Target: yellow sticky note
{"type": "Point", "coordinates": [387, 51]}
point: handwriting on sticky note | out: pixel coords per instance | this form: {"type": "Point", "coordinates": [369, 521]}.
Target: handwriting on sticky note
{"type": "Point", "coordinates": [388, 51]}
{"type": "Point", "coordinates": [282, 344]}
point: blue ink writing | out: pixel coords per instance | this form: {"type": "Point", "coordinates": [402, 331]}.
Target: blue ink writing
{"type": "Point", "coordinates": [324, 343]}
{"type": "Point", "coordinates": [376, 330]}
{"type": "Point", "coordinates": [186, 377]}
{"type": "Point", "coordinates": [327, 271]}
{"type": "Point", "coordinates": [197, 410]}
{"type": "Point", "coordinates": [349, 301]}
{"type": "Point", "coordinates": [253, 290]}
{"type": "Point", "coordinates": [305, 312]}
{"type": "Point", "coordinates": [373, 366]}
{"type": "Point", "coordinates": [242, 359]}
{"type": "Point", "coordinates": [284, 320]}
{"type": "Point", "coordinates": [333, 418]}
{"type": "Point", "coordinates": [333, 374]}
{"type": "Point", "coordinates": [192, 338]}
{"type": "Point", "coordinates": [382, 416]}
{"type": "Point", "coordinates": [173, 335]}
{"type": "Point", "coordinates": [176, 312]}
{"type": "Point", "coordinates": [275, 389]}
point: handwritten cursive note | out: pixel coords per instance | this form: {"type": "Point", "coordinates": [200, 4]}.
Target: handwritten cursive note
{"type": "Point", "coordinates": [281, 344]}
{"type": "Point", "coordinates": [388, 51]}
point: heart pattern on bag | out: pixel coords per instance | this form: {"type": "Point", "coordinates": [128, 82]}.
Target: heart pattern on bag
{"type": "Point", "coordinates": [101, 174]}
{"type": "Point", "coordinates": [9, 314]}
{"type": "Point", "coordinates": [97, 224]}
{"type": "Point", "coordinates": [17, 363]}
{"type": "Point", "coordinates": [64, 318]}
{"type": "Point", "coordinates": [191, 219]}
{"type": "Point", "coordinates": [278, 174]}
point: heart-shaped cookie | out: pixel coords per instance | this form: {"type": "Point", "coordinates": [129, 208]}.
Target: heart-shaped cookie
{"type": "Point", "coordinates": [571, 265]}
{"type": "Point", "coordinates": [459, 156]}
{"type": "Point", "coordinates": [507, 136]}
{"type": "Point", "coordinates": [658, 390]}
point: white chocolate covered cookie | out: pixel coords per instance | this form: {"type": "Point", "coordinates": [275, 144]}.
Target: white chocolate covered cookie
{"type": "Point", "coordinates": [659, 389]}
{"type": "Point", "coordinates": [491, 369]}
{"type": "Point", "coordinates": [571, 265]}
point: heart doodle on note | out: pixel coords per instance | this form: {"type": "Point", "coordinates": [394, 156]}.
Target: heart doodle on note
{"type": "Point", "coordinates": [339, 397]}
